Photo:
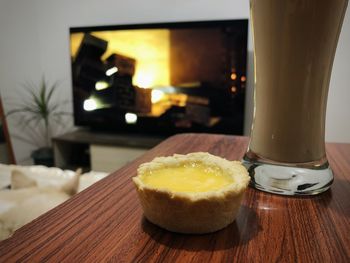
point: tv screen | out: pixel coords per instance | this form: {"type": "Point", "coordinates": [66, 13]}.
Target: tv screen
{"type": "Point", "coordinates": [160, 78]}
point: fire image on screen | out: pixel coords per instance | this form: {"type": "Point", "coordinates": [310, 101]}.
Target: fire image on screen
{"type": "Point", "coordinates": [162, 79]}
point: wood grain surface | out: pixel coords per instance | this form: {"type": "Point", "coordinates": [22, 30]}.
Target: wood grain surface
{"type": "Point", "coordinates": [105, 222]}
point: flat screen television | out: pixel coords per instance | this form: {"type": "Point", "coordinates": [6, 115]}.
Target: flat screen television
{"type": "Point", "coordinates": [160, 79]}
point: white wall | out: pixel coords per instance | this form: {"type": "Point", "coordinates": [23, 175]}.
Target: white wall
{"type": "Point", "coordinates": [34, 41]}
{"type": "Point", "coordinates": [338, 108]}
{"type": "Point", "coordinates": [19, 58]}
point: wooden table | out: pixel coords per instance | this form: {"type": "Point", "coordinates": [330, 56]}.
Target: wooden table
{"type": "Point", "coordinates": [105, 222]}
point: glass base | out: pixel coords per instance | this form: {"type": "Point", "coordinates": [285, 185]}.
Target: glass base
{"type": "Point", "coordinates": [288, 180]}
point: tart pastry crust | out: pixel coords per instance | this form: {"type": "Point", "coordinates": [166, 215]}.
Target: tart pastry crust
{"type": "Point", "coordinates": [190, 212]}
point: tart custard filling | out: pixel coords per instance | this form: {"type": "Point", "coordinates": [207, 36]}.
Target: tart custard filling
{"type": "Point", "coordinates": [190, 177]}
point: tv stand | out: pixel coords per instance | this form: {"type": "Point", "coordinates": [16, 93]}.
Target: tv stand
{"type": "Point", "coordinates": [106, 152]}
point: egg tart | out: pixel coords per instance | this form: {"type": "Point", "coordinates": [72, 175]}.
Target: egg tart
{"type": "Point", "coordinates": [193, 193]}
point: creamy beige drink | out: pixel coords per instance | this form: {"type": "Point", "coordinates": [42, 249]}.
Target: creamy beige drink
{"type": "Point", "coordinates": [295, 43]}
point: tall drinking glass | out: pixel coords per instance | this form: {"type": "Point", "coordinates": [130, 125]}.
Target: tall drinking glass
{"type": "Point", "coordinates": [295, 43]}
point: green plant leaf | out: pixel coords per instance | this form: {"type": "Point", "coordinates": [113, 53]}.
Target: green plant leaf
{"type": "Point", "coordinates": [52, 89]}
{"type": "Point", "coordinates": [22, 110]}
{"type": "Point", "coordinates": [62, 113]}
{"type": "Point", "coordinates": [58, 120]}
{"type": "Point", "coordinates": [38, 110]}
{"type": "Point", "coordinates": [28, 121]}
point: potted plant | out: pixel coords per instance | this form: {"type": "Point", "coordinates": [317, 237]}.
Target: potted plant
{"type": "Point", "coordinates": [38, 114]}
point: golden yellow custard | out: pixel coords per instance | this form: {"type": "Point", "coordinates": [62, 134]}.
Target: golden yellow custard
{"type": "Point", "coordinates": [192, 178]}
{"type": "Point", "coordinates": [192, 193]}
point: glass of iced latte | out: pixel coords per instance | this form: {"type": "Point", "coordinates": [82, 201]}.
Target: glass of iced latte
{"type": "Point", "coordinates": [295, 43]}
